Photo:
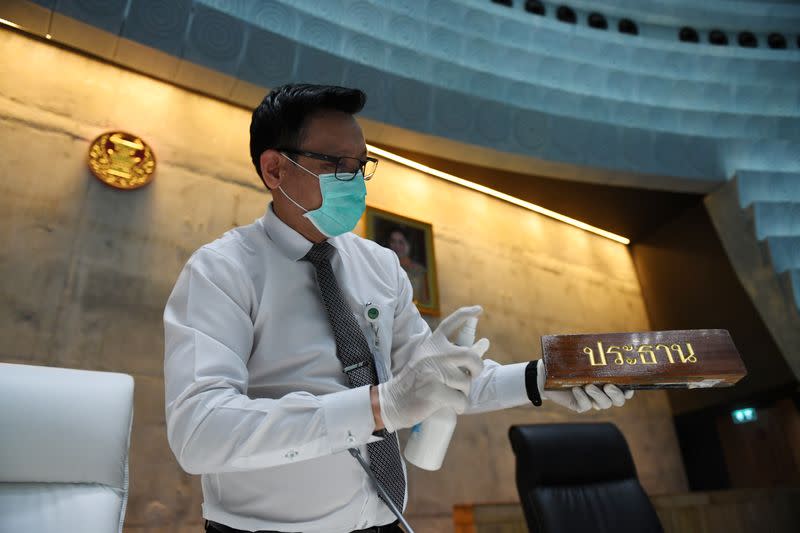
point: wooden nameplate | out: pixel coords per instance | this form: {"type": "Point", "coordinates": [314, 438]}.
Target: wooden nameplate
{"type": "Point", "coordinates": [694, 358]}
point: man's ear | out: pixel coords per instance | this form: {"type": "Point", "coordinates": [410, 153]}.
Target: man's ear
{"type": "Point", "coordinates": [270, 165]}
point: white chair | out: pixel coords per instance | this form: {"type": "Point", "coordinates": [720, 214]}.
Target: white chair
{"type": "Point", "coordinates": [64, 440]}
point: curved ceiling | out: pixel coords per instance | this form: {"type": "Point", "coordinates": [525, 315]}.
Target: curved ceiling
{"type": "Point", "coordinates": [481, 82]}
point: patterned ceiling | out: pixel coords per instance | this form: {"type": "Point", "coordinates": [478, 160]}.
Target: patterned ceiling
{"type": "Point", "coordinates": [477, 79]}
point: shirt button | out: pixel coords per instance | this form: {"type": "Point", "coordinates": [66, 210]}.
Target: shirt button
{"type": "Point", "coordinates": [291, 454]}
{"type": "Point", "coordinates": [350, 438]}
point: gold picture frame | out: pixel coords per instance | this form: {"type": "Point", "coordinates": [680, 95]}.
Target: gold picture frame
{"type": "Point", "coordinates": [412, 241]}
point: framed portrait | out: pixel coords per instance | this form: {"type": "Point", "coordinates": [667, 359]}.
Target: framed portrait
{"type": "Point", "coordinates": [412, 241]}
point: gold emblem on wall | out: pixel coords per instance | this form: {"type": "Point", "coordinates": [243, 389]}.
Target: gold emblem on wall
{"type": "Point", "coordinates": [122, 160]}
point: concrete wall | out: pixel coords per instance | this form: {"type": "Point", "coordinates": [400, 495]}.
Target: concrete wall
{"type": "Point", "coordinates": [85, 270]}
{"type": "Point", "coordinates": [709, 294]}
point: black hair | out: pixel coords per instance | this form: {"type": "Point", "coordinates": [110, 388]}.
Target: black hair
{"type": "Point", "coordinates": [279, 120]}
{"type": "Point", "coordinates": [401, 231]}
{"type": "Point", "coordinates": [398, 229]}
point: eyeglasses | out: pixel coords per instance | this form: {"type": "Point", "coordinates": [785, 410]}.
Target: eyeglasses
{"type": "Point", "coordinates": [345, 168]}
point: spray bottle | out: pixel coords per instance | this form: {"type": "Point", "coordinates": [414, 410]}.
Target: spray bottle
{"type": "Point", "coordinates": [428, 442]}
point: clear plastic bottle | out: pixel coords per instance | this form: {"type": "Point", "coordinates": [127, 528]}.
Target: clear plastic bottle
{"type": "Point", "coordinates": [427, 445]}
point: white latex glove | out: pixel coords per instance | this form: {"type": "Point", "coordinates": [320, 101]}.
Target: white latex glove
{"type": "Point", "coordinates": [581, 399]}
{"type": "Point", "coordinates": [426, 385]}
{"type": "Point", "coordinates": [439, 342]}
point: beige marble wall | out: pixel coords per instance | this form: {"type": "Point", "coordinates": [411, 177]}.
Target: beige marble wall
{"type": "Point", "coordinates": [85, 270]}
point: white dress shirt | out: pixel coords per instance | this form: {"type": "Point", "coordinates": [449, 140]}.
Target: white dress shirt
{"type": "Point", "coordinates": [256, 400]}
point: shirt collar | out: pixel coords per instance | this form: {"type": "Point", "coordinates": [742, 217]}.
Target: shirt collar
{"type": "Point", "coordinates": [290, 242]}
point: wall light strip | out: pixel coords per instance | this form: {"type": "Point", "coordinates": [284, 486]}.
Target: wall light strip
{"type": "Point", "coordinates": [497, 194]}
{"type": "Point", "coordinates": [17, 26]}
{"type": "Point", "coordinates": [9, 23]}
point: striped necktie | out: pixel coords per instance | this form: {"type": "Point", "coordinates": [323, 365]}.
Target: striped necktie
{"type": "Point", "coordinates": [357, 361]}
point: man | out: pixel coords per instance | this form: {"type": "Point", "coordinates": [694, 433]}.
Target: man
{"type": "Point", "coordinates": [291, 341]}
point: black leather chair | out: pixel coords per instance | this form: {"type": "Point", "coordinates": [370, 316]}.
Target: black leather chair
{"type": "Point", "coordinates": [576, 478]}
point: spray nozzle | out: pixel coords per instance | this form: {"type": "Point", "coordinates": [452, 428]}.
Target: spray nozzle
{"type": "Point", "coordinates": [466, 335]}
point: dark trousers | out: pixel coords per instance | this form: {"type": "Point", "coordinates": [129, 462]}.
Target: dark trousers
{"type": "Point", "coordinates": [213, 527]}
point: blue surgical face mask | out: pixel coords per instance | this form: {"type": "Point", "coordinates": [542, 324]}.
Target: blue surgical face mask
{"type": "Point", "coordinates": [343, 202]}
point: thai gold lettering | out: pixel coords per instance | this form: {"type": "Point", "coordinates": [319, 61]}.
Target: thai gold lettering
{"type": "Point", "coordinates": [592, 361]}
{"type": "Point", "coordinates": [629, 360]}
{"type": "Point", "coordinates": [618, 360]}
{"type": "Point", "coordinates": [667, 350]}
{"type": "Point", "coordinates": [691, 358]}
{"type": "Point", "coordinates": [647, 348]}
{"type": "Point", "coordinates": [647, 354]}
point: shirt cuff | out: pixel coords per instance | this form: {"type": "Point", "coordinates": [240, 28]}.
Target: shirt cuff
{"type": "Point", "coordinates": [510, 385]}
{"type": "Point", "coordinates": [348, 417]}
